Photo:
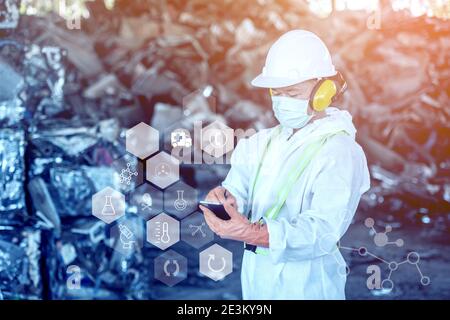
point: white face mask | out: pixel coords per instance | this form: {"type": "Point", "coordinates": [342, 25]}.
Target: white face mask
{"type": "Point", "coordinates": [291, 112]}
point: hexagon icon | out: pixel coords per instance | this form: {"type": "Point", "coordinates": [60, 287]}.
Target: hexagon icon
{"type": "Point", "coordinates": [180, 200]}
{"type": "Point", "coordinates": [201, 101]}
{"type": "Point", "coordinates": [182, 148]}
{"type": "Point", "coordinates": [128, 235]}
{"type": "Point", "coordinates": [142, 140]}
{"type": "Point", "coordinates": [195, 231]}
{"type": "Point", "coordinates": [216, 262]}
{"type": "Point", "coordinates": [177, 137]}
{"type": "Point", "coordinates": [108, 205]}
{"type": "Point", "coordinates": [129, 172]}
{"type": "Point", "coordinates": [163, 231]}
{"type": "Point", "coordinates": [171, 268]}
{"type": "Point", "coordinates": [147, 200]}
{"type": "Point", "coordinates": [217, 139]}
{"type": "Point", "coordinates": [163, 170]}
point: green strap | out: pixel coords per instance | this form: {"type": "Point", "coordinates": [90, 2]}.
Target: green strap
{"type": "Point", "coordinates": [310, 151]}
{"type": "Point", "coordinates": [266, 149]}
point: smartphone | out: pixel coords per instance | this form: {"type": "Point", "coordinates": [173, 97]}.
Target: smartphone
{"type": "Point", "coordinates": [217, 208]}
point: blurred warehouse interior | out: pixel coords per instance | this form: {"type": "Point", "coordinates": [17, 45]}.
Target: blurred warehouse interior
{"type": "Point", "coordinates": [67, 96]}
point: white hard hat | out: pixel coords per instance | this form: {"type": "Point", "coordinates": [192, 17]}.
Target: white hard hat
{"type": "Point", "coordinates": [297, 56]}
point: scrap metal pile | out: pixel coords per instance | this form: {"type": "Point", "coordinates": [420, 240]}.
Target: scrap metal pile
{"type": "Point", "coordinates": [66, 97]}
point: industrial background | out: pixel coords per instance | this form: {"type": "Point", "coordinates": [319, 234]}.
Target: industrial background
{"type": "Point", "coordinates": [70, 88]}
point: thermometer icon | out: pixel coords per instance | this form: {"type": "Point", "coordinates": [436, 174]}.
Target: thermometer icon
{"type": "Point", "coordinates": [163, 232]}
{"type": "Point", "coordinates": [165, 238]}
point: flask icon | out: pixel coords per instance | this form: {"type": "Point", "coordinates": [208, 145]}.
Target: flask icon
{"type": "Point", "coordinates": [180, 203]}
{"type": "Point", "coordinates": [108, 208]}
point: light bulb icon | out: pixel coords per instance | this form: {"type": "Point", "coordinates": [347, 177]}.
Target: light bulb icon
{"type": "Point", "coordinates": [165, 238]}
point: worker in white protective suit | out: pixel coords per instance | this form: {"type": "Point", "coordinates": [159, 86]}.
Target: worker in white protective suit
{"type": "Point", "coordinates": [293, 190]}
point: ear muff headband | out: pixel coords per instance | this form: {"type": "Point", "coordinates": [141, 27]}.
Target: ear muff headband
{"type": "Point", "coordinates": [326, 91]}
{"type": "Point", "coordinates": [322, 95]}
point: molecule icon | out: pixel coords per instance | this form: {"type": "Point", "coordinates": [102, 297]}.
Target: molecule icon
{"type": "Point", "coordinates": [127, 174]}
{"type": "Point", "coordinates": [412, 258]}
{"type": "Point", "coordinates": [381, 239]}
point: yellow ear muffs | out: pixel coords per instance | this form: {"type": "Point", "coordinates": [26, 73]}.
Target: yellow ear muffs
{"type": "Point", "coordinates": [323, 94]}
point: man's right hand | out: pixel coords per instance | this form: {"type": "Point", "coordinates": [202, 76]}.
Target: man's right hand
{"type": "Point", "coordinates": [221, 195]}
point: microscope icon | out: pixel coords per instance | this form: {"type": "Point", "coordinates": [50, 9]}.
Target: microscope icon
{"type": "Point", "coordinates": [126, 237]}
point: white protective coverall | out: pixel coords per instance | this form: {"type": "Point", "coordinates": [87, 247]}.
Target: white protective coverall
{"type": "Point", "coordinates": [303, 261]}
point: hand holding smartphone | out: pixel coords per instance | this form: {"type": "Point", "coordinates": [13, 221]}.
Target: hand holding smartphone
{"type": "Point", "coordinates": [217, 208]}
